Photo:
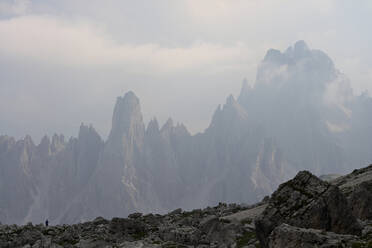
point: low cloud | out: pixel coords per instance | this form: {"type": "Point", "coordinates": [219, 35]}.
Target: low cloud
{"type": "Point", "coordinates": [52, 40]}
{"type": "Point", "coordinates": [182, 58]}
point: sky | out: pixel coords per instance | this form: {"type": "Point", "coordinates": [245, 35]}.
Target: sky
{"type": "Point", "coordinates": [65, 62]}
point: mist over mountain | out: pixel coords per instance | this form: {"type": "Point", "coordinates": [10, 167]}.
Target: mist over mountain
{"type": "Point", "coordinates": [300, 114]}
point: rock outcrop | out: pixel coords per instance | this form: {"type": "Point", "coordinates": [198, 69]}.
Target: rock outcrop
{"type": "Point", "coordinates": [357, 186]}
{"type": "Point", "coordinates": [308, 202]}
{"type": "Point", "coordinates": [286, 236]}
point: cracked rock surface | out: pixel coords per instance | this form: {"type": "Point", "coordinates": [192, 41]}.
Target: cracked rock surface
{"type": "Point", "coordinates": [309, 212]}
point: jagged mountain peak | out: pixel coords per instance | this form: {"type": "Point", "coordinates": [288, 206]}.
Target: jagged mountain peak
{"type": "Point", "coordinates": [232, 105]}
{"type": "Point", "coordinates": [58, 138]}
{"type": "Point", "coordinates": [273, 56]}
{"type": "Point", "coordinates": [28, 140]}
{"type": "Point", "coordinates": [299, 68]}
{"type": "Point", "coordinates": [58, 142]}
{"type": "Point", "coordinates": [45, 140]}
{"type": "Point", "coordinates": [300, 48]}
{"type": "Point", "coordinates": [44, 146]}
{"type": "Point", "coordinates": [230, 100]}
{"type": "Point", "coordinates": [130, 96]}
{"type": "Point", "coordinates": [87, 131]}
{"type": "Point", "coordinates": [181, 129]}
{"type": "Point", "coordinates": [294, 54]}
{"type": "Point", "coordinates": [168, 125]}
{"type": "Point", "coordinates": [129, 102]}
{"type": "Point", "coordinates": [153, 126]}
{"type": "Point", "coordinates": [230, 112]}
{"type": "Point", "coordinates": [127, 117]}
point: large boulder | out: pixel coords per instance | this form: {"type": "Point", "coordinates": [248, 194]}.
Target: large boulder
{"type": "Point", "coordinates": [308, 202]}
{"type": "Point", "coordinates": [286, 236]}
{"type": "Point", "coordinates": [357, 186]}
{"type": "Point", "coordinates": [360, 201]}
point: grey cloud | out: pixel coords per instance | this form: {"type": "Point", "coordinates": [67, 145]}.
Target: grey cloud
{"type": "Point", "coordinates": [182, 58]}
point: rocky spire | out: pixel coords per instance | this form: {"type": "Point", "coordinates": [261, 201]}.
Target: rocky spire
{"type": "Point", "coordinates": [152, 127]}
{"type": "Point", "coordinates": [88, 132]}
{"type": "Point", "coordinates": [44, 146]}
{"type": "Point", "coordinates": [127, 120]}
{"type": "Point", "coordinates": [58, 142]}
{"type": "Point", "coordinates": [167, 126]}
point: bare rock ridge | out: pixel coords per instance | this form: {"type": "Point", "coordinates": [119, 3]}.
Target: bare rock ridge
{"type": "Point", "coordinates": [127, 123]}
{"type": "Point", "coordinates": [332, 223]}
{"type": "Point", "coordinates": [292, 237]}
{"type": "Point", "coordinates": [357, 186]}
{"type": "Point", "coordinates": [303, 212]}
{"type": "Point", "coordinates": [286, 122]}
{"type": "Point", "coordinates": [307, 202]}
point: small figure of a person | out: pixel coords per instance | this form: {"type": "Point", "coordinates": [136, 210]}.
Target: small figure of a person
{"type": "Point", "coordinates": [46, 222]}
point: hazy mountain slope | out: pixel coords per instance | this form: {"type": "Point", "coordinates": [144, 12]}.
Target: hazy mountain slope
{"type": "Point", "coordinates": [304, 102]}
{"type": "Point", "coordinates": [39, 182]}
{"type": "Point", "coordinates": [300, 114]}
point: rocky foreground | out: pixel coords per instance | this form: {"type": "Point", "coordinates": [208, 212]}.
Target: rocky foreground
{"type": "Point", "coordinates": [303, 212]}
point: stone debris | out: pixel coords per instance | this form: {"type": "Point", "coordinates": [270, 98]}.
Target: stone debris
{"type": "Point", "coordinates": [303, 212]}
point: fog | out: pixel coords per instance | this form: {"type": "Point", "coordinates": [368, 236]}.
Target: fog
{"type": "Point", "coordinates": [264, 89]}
{"type": "Point", "coordinates": [65, 62]}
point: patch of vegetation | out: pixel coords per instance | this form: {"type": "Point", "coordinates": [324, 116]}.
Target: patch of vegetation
{"type": "Point", "coordinates": [245, 239]}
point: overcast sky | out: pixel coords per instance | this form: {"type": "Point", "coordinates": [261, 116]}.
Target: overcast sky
{"type": "Point", "coordinates": [65, 62]}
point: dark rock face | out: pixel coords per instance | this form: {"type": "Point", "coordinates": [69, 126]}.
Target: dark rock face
{"type": "Point", "coordinates": [361, 201]}
{"type": "Point", "coordinates": [357, 186]}
{"type": "Point", "coordinates": [308, 202]}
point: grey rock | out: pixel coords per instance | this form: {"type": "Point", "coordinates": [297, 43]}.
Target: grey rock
{"type": "Point", "coordinates": [248, 215]}
{"type": "Point", "coordinates": [357, 186]}
{"type": "Point", "coordinates": [360, 200]}
{"type": "Point", "coordinates": [308, 202]}
{"type": "Point", "coordinates": [286, 236]}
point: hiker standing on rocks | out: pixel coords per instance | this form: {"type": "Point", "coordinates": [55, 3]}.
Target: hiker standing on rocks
{"type": "Point", "coordinates": [46, 222]}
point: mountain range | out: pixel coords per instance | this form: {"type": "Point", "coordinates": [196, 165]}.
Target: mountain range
{"type": "Point", "coordinates": [301, 113]}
